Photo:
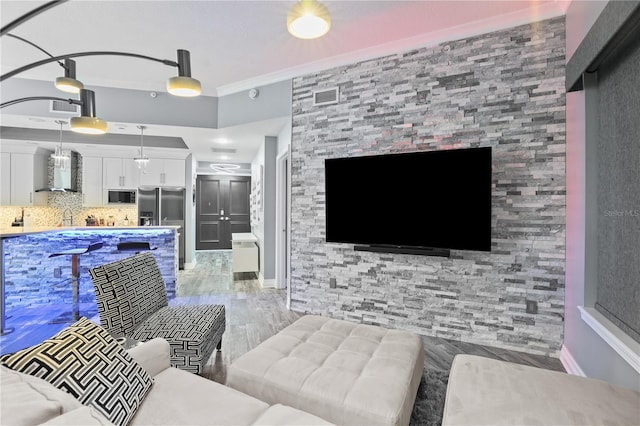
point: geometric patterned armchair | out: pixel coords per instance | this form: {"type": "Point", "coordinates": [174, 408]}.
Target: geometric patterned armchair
{"type": "Point", "coordinates": [132, 302]}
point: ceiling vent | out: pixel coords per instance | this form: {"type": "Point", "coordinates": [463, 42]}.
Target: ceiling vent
{"type": "Point", "coordinates": [325, 97]}
{"type": "Point", "coordinates": [224, 150]}
{"type": "Point", "coordinates": [64, 107]}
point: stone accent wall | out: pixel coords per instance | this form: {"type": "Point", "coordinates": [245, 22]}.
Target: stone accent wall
{"type": "Point", "coordinates": [503, 89]}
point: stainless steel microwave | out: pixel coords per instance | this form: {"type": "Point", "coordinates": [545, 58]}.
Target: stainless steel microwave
{"type": "Point", "coordinates": [121, 197]}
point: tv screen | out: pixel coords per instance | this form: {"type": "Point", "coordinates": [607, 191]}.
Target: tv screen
{"type": "Point", "coordinates": [433, 199]}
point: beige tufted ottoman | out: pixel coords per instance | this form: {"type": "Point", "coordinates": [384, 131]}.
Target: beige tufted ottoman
{"type": "Point", "coordinates": [346, 373]}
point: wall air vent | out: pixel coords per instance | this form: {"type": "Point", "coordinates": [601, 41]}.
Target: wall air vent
{"type": "Point", "coordinates": [224, 150]}
{"type": "Point", "coordinates": [64, 107]}
{"type": "Point", "coordinates": [325, 96]}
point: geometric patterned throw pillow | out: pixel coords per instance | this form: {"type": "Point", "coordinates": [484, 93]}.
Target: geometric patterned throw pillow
{"type": "Point", "coordinates": [85, 361]}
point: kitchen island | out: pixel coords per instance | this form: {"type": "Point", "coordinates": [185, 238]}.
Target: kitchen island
{"type": "Point", "coordinates": [31, 278]}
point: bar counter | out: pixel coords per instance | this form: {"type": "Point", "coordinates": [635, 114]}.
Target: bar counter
{"type": "Point", "coordinates": [30, 278]}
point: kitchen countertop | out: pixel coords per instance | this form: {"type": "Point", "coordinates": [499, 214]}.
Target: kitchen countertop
{"type": "Point", "coordinates": [15, 231]}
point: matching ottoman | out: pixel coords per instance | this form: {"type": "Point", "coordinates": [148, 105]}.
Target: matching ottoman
{"type": "Point", "coordinates": [483, 391]}
{"type": "Point", "coordinates": [345, 373]}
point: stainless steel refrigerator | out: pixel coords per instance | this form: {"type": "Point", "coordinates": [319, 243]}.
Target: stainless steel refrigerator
{"type": "Point", "coordinates": [163, 207]}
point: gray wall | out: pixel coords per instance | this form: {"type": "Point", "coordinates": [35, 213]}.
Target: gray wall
{"type": "Point", "coordinates": [274, 100]}
{"type": "Point", "coordinates": [269, 208]}
{"type": "Point", "coordinates": [118, 105]}
{"type": "Point", "coordinates": [503, 89]}
{"type": "Point", "coordinates": [586, 349]}
{"type": "Point", "coordinates": [190, 212]}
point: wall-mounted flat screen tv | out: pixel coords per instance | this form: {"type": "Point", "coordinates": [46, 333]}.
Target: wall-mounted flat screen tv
{"type": "Point", "coordinates": [429, 199]}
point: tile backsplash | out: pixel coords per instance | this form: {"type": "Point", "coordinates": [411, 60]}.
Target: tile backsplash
{"type": "Point", "coordinates": [52, 214]}
{"type": "Point", "coordinates": [58, 202]}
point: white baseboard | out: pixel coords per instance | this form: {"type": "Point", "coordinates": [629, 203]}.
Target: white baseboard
{"type": "Point", "coordinates": [189, 265]}
{"type": "Point", "coordinates": [569, 363]}
{"type": "Point", "coordinates": [268, 283]}
{"type": "Point", "coordinates": [620, 342]}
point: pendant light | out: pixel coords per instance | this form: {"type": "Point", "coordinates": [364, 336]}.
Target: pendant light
{"type": "Point", "coordinates": [88, 123]}
{"type": "Point", "coordinates": [181, 85]}
{"type": "Point", "coordinates": [308, 19]}
{"type": "Point", "coordinates": [68, 83]}
{"type": "Point", "coordinates": [141, 161]}
{"type": "Point", "coordinates": [184, 84]}
{"type": "Point", "coordinates": [60, 157]}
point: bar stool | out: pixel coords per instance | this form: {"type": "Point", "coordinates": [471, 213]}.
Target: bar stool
{"type": "Point", "coordinates": [75, 274]}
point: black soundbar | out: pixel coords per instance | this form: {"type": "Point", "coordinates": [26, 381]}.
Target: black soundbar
{"type": "Point", "coordinates": [422, 251]}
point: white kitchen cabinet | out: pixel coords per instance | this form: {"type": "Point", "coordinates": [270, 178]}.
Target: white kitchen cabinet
{"type": "Point", "coordinates": [27, 173]}
{"type": "Point", "coordinates": [163, 172]}
{"type": "Point", "coordinates": [5, 179]}
{"type": "Point", "coordinates": [92, 189]}
{"type": "Point", "coordinates": [120, 173]}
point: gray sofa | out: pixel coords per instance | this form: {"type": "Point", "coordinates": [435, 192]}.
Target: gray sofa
{"type": "Point", "coordinates": [483, 391]}
{"type": "Point", "coordinates": [176, 398]}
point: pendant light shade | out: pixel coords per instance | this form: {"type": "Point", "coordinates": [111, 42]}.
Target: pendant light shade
{"type": "Point", "coordinates": [88, 123]}
{"type": "Point", "coordinates": [308, 19]}
{"type": "Point", "coordinates": [68, 83]}
{"type": "Point", "coordinates": [184, 84]}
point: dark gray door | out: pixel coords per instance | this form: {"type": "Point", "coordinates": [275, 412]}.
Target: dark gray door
{"type": "Point", "coordinates": [222, 208]}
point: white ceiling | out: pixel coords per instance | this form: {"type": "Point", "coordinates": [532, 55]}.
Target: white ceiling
{"type": "Point", "coordinates": [235, 45]}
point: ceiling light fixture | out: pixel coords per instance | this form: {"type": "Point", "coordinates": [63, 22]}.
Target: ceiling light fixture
{"type": "Point", "coordinates": [224, 169]}
{"type": "Point", "coordinates": [60, 157]}
{"type": "Point", "coordinates": [308, 19]}
{"type": "Point", "coordinates": [87, 123]}
{"type": "Point", "coordinates": [184, 84]}
{"type": "Point", "coordinates": [68, 83]}
{"type": "Point", "coordinates": [181, 85]}
{"type": "Point", "coordinates": [141, 161]}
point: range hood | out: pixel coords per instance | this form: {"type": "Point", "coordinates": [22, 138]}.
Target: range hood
{"type": "Point", "coordinates": [63, 180]}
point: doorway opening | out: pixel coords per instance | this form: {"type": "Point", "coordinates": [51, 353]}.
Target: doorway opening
{"type": "Point", "coordinates": [222, 208]}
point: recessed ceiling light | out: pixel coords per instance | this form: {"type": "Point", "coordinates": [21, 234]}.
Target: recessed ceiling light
{"type": "Point", "coordinates": [222, 141]}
